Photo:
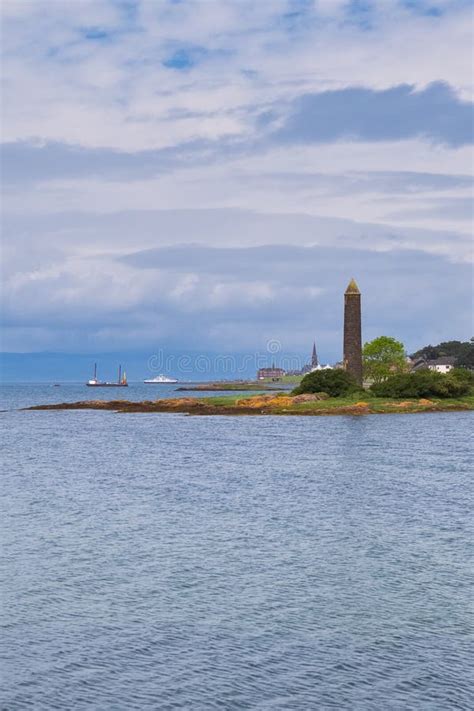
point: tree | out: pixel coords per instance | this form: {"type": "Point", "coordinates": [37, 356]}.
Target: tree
{"type": "Point", "coordinates": [335, 383]}
{"type": "Point", "coordinates": [428, 353]}
{"type": "Point", "coordinates": [465, 358]}
{"type": "Point", "coordinates": [462, 351]}
{"type": "Point", "coordinates": [382, 357]}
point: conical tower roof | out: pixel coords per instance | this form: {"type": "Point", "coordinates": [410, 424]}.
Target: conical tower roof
{"type": "Point", "coordinates": [352, 288]}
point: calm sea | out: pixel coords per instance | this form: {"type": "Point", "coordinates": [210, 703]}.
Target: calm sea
{"type": "Point", "coordinates": [169, 562]}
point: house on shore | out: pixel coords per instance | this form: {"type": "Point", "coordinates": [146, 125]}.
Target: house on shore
{"type": "Point", "coordinates": [442, 365]}
{"type": "Point", "coordinates": [438, 365]}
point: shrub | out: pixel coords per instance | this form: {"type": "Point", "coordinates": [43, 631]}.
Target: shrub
{"type": "Point", "coordinates": [463, 375]}
{"type": "Point", "coordinates": [423, 383]}
{"type": "Point", "coordinates": [335, 383]}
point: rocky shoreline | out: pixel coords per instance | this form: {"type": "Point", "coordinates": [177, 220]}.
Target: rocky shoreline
{"type": "Point", "coordinates": [308, 405]}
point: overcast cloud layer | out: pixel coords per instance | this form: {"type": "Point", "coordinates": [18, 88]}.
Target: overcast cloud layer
{"type": "Point", "coordinates": [209, 174]}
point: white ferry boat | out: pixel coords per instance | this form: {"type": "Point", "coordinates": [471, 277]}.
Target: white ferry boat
{"type": "Point", "coordinates": [160, 380]}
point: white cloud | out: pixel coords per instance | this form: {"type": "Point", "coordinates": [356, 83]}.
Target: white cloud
{"type": "Point", "coordinates": [196, 297]}
{"type": "Point", "coordinates": [99, 74]}
{"type": "Point", "coordinates": [317, 182]}
{"type": "Point", "coordinates": [116, 92]}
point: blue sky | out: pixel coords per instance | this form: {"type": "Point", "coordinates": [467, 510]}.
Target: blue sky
{"type": "Point", "coordinates": [208, 174]}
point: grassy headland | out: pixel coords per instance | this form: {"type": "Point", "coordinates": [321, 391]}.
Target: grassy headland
{"type": "Point", "coordinates": [278, 404]}
{"type": "Point", "coordinates": [267, 384]}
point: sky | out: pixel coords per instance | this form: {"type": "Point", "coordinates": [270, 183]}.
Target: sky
{"type": "Point", "coordinates": [208, 175]}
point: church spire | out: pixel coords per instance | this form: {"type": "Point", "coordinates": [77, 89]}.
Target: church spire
{"type": "Point", "coordinates": [314, 357]}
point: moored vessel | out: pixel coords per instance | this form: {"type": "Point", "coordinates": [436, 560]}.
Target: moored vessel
{"type": "Point", "coordinates": [96, 383]}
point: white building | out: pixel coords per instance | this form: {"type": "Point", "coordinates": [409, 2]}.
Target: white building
{"type": "Point", "coordinates": [441, 365]}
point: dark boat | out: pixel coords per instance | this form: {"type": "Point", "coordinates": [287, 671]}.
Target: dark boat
{"type": "Point", "coordinates": [95, 383]}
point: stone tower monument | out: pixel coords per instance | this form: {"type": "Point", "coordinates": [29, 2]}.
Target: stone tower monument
{"type": "Point", "coordinates": [314, 357]}
{"type": "Point", "coordinates": [352, 332]}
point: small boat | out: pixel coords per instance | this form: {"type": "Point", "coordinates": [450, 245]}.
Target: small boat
{"type": "Point", "coordinates": [95, 383]}
{"type": "Point", "coordinates": [160, 380]}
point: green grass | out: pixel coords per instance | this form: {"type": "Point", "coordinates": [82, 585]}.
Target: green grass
{"type": "Point", "coordinates": [285, 380]}
{"type": "Point", "coordinates": [224, 400]}
{"type": "Point", "coordinates": [375, 404]}
{"type": "Point", "coordinates": [278, 404]}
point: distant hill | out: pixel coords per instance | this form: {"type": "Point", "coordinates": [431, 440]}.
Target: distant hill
{"type": "Point", "coordinates": [463, 351]}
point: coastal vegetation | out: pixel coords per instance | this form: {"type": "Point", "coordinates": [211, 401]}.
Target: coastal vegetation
{"type": "Point", "coordinates": [309, 404]}
{"type": "Point", "coordinates": [426, 383]}
{"type": "Point", "coordinates": [336, 382]}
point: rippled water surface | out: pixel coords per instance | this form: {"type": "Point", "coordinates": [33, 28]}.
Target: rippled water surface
{"type": "Point", "coordinates": [158, 561]}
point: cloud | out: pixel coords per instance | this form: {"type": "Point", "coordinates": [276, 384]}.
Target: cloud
{"type": "Point", "coordinates": [108, 74]}
{"type": "Point", "coordinates": [213, 172]}
{"type": "Point", "coordinates": [232, 299]}
{"type": "Point", "coordinates": [371, 181]}
{"type": "Point", "coordinates": [127, 231]}
{"type": "Point", "coordinates": [27, 162]}
{"type": "Point", "coordinates": [442, 209]}
{"type": "Point", "coordinates": [434, 113]}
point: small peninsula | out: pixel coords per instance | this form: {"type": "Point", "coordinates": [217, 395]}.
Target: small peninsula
{"type": "Point", "coordinates": [371, 380]}
{"type": "Point", "coordinates": [269, 404]}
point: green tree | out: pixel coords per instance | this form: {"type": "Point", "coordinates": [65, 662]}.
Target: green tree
{"type": "Point", "coordinates": [382, 357]}
{"type": "Point", "coordinates": [465, 358]}
{"type": "Point", "coordinates": [462, 351]}
{"type": "Point", "coordinates": [428, 352]}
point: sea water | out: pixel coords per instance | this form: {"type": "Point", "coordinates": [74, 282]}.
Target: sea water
{"type": "Point", "coordinates": [162, 561]}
